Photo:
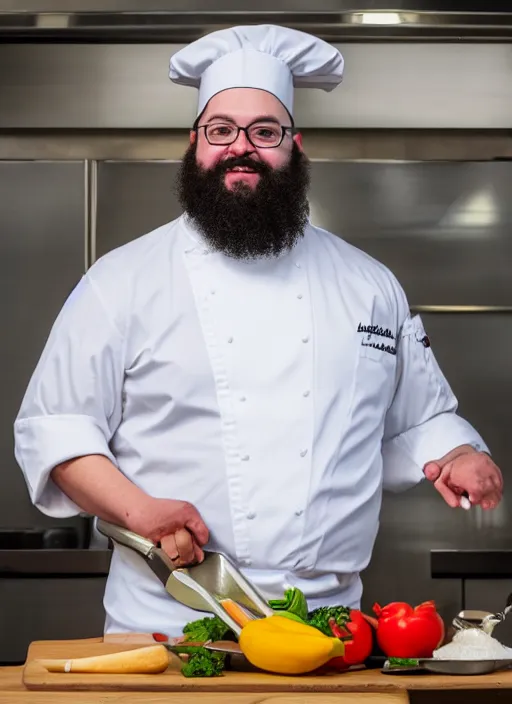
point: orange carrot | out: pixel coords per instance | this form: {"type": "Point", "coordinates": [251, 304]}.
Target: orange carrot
{"type": "Point", "coordinates": [236, 612]}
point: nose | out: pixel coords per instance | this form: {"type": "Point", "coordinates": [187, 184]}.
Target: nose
{"type": "Point", "coordinates": [241, 145]}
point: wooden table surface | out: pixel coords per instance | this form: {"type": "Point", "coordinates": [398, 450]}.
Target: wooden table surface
{"type": "Point", "coordinates": [489, 691]}
{"type": "Point", "coordinates": [358, 687]}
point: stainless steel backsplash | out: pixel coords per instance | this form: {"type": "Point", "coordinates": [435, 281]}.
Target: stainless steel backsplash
{"type": "Point", "coordinates": [88, 155]}
{"type": "Point", "coordinates": [442, 227]}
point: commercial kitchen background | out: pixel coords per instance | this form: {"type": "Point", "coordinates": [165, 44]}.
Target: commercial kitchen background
{"type": "Point", "coordinates": [410, 162]}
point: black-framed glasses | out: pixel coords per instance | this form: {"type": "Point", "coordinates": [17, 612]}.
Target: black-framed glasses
{"type": "Point", "coordinates": [262, 135]}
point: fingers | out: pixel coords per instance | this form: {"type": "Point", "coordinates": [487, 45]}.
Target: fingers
{"type": "Point", "coordinates": [497, 480]}
{"type": "Point", "coordinates": [451, 498]}
{"type": "Point", "coordinates": [474, 474]}
{"type": "Point", "coordinates": [482, 494]}
{"type": "Point", "coordinates": [483, 491]}
{"type": "Point", "coordinates": [185, 545]}
{"type": "Point", "coordinates": [182, 548]}
{"type": "Point", "coordinates": [197, 527]}
{"type": "Point", "coordinates": [169, 546]}
{"type": "Point", "coordinates": [199, 554]}
{"type": "Point", "coordinates": [181, 531]}
{"type": "Point", "coordinates": [432, 471]}
{"type": "Point", "coordinates": [490, 501]}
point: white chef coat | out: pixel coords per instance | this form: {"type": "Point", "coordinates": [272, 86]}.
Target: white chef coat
{"type": "Point", "coordinates": [277, 396]}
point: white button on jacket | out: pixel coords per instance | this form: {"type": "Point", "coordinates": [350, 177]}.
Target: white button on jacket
{"type": "Point", "coordinates": [145, 366]}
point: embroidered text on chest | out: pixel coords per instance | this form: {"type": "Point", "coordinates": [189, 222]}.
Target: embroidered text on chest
{"type": "Point", "coordinates": [376, 331]}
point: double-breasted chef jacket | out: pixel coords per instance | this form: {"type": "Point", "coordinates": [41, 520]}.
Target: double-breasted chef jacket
{"type": "Point", "coordinates": [278, 396]}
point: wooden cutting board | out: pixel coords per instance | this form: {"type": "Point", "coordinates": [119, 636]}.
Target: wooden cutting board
{"type": "Point", "coordinates": [36, 677]}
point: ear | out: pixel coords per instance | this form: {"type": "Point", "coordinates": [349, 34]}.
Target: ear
{"type": "Point", "coordinates": [297, 138]}
{"type": "Point", "coordinates": [193, 136]}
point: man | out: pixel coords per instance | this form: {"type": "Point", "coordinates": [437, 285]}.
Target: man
{"type": "Point", "coordinates": [239, 378]}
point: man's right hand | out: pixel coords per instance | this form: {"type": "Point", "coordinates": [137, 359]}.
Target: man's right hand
{"type": "Point", "coordinates": [100, 489]}
{"type": "Point", "coordinates": [176, 525]}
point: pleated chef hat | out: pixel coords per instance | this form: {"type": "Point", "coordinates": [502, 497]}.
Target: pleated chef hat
{"type": "Point", "coordinates": [272, 58]}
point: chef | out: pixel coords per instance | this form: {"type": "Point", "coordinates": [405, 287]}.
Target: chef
{"type": "Point", "coordinates": [240, 379]}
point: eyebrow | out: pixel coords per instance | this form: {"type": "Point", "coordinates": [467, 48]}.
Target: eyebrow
{"type": "Point", "coordinates": [260, 118]}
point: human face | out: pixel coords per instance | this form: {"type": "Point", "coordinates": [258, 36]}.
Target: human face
{"type": "Point", "coordinates": [244, 107]}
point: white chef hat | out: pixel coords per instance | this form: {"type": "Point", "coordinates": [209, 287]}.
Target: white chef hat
{"type": "Point", "coordinates": [273, 58]}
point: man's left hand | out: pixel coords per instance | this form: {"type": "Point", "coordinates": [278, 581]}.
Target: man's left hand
{"type": "Point", "coordinates": [466, 470]}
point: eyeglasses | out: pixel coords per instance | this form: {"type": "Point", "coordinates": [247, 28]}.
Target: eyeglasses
{"type": "Point", "coordinates": [260, 135]}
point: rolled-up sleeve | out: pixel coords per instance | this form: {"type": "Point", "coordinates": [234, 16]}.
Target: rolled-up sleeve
{"type": "Point", "coordinates": [422, 423]}
{"type": "Point", "coordinates": [72, 404]}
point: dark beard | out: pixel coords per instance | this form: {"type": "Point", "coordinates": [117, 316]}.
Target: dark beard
{"type": "Point", "coordinates": [246, 223]}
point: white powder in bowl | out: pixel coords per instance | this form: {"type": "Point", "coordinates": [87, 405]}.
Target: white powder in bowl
{"type": "Point", "coordinates": [472, 644]}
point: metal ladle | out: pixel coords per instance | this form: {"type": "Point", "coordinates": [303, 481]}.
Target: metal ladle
{"type": "Point", "coordinates": [484, 620]}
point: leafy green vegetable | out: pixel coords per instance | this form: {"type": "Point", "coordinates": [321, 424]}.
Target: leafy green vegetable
{"type": "Point", "coordinates": [204, 663]}
{"type": "Point", "coordinates": [186, 649]}
{"type": "Point", "coordinates": [290, 615]}
{"type": "Point", "coordinates": [294, 602]}
{"type": "Point", "coordinates": [209, 628]}
{"type": "Point", "coordinates": [319, 618]}
{"type": "Point", "coordinates": [402, 662]}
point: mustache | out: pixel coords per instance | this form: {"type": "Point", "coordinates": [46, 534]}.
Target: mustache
{"type": "Point", "coordinates": [241, 161]}
{"type": "Point", "coordinates": [246, 224]}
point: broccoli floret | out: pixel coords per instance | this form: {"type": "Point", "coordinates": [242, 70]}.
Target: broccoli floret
{"type": "Point", "coordinates": [319, 618]}
{"type": "Point", "coordinates": [205, 629]}
{"type": "Point", "coordinates": [204, 663]}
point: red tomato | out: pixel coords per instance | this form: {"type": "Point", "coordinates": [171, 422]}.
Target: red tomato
{"type": "Point", "coordinates": [160, 637]}
{"type": "Point", "coordinates": [359, 647]}
{"type": "Point", "coordinates": [407, 632]}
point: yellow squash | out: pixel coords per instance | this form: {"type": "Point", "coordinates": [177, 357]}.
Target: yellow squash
{"type": "Point", "coordinates": [280, 645]}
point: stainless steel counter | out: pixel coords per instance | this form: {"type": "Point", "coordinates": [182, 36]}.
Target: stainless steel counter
{"type": "Point", "coordinates": [484, 577]}
{"type": "Point", "coordinates": [54, 563]}
{"type": "Point", "coordinates": [50, 594]}
{"type": "Point", "coordinates": [471, 564]}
